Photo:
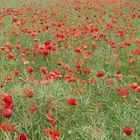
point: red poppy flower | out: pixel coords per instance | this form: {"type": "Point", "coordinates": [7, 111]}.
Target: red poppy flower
{"type": "Point", "coordinates": [33, 108]}
{"type": "Point", "coordinates": [53, 122]}
{"type": "Point", "coordinates": [72, 80]}
{"type": "Point", "coordinates": [7, 113]}
{"type": "Point", "coordinates": [45, 52]}
{"type": "Point", "coordinates": [100, 74]}
{"type": "Point", "coordinates": [10, 106]}
{"type": "Point", "coordinates": [10, 56]}
{"type": "Point", "coordinates": [8, 78]}
{"type": "Point", "coordinates": [29, 93]}
{"type": "Point", "coordinates": [7, 99]}
{"type": "Point", "coordinates": [43, 70]}
{"type": "Point", "coordinates": [123, 92]}
{"type": "Point", "coordinates": [128, 131]}
{"type": "Point", "coordinates": [86, 71]}
{"type": "Point", "coordinates": [22, 136]}
{"type": "Point", "coordinates": [72, 102]}
{"type": "Point", "coordinates": [23, 21]}
{"type": "Point", "coordinates": [6, 127]}
{"type": "Point", "coordinates": [109, 80]}
{"type": "Point", "coordinates": [30, 70]}
{"type": "Point", "coordinates": [119, 76]}
{"type": "Point", "coordinates": [137, 89]}
{"type": "Point", "coordinates": [50, 117]}
{"type": "Point", "coordinates": [56, 74]}
{"type": "Point", "coordinates": [7, 102]}
{"type": "Point", "coordinates": [16, 72]}
{"type": "Point", "coordinates": [48, 131]}
{"type": "Point", "coordinates": [133, 85]}
{"type": "Point", "coordinates": [132, 60]}
{"type": "Point", "coordinates": [15, 19]}
{"type": "Point", "coordinates": [55, 135]}
{"type": "Point", "coordinates": [48, 42]}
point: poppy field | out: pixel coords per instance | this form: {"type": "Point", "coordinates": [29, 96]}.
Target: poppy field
{"type": "Point", "coordinates": [69, 70]}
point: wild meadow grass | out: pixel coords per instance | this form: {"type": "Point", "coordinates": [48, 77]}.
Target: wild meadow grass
{"type": "Point", "coordinates": [69, 70]}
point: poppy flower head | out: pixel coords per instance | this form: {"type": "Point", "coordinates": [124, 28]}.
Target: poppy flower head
{"type": "Point", "coordinates": [29, 93]}
{"type": "Point", "coordinates": [16, 72]}
{"type": "Point", "coordinates": [133, 86]}
{"type": "Point", "coordinates": [123, 92]}
{"type": "Point", "coordinates": [47, 42]}
{"type": "Point", "coordinates": [128, 131]}
{"type": "Point", "coordinates": [109, 80]}
{"type": "Point", "coordinates": [7, 113]}
{"type": "Point", "coordinates": [72, 102]}
{"type": "Point", "coordinates": [50, 117]}
{"type": "Point", "coordinates": [55, 135]}
{"type": "Point", "coordinates": [137, 89]}
{"type": "Point", "coordinates": [7, 102]}
{"type": "Point", "coordinates": [43, 70]}
{"type": "Point", "coordinates": [48, 131]}
{"type": "Point", "coordinates": [45, 52]}
{"type": "Point", "coordinates": [119, 76]}
{"type": "Point", "coordinates": [100, 74]}
{"type": "Point", "coordinates": [86, 71]}
{"type": "Point", "coordinates": [33, 108]}
{"type": "Point", "coordinates": [6, 127]}
{"type": "Point", "coordinates": [53, 122]}
{"type": "Point", "coordinates": [10, 56]}
{"type": "Point", "coordinates": [22, 136]}
{"type": "Point", "coordinates": [30, 70]}
{"type": "Point", "coordinates": [7, 99]}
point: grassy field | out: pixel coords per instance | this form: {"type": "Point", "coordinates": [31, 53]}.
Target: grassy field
{"type": "Point", "coordinates": [69, 70]}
